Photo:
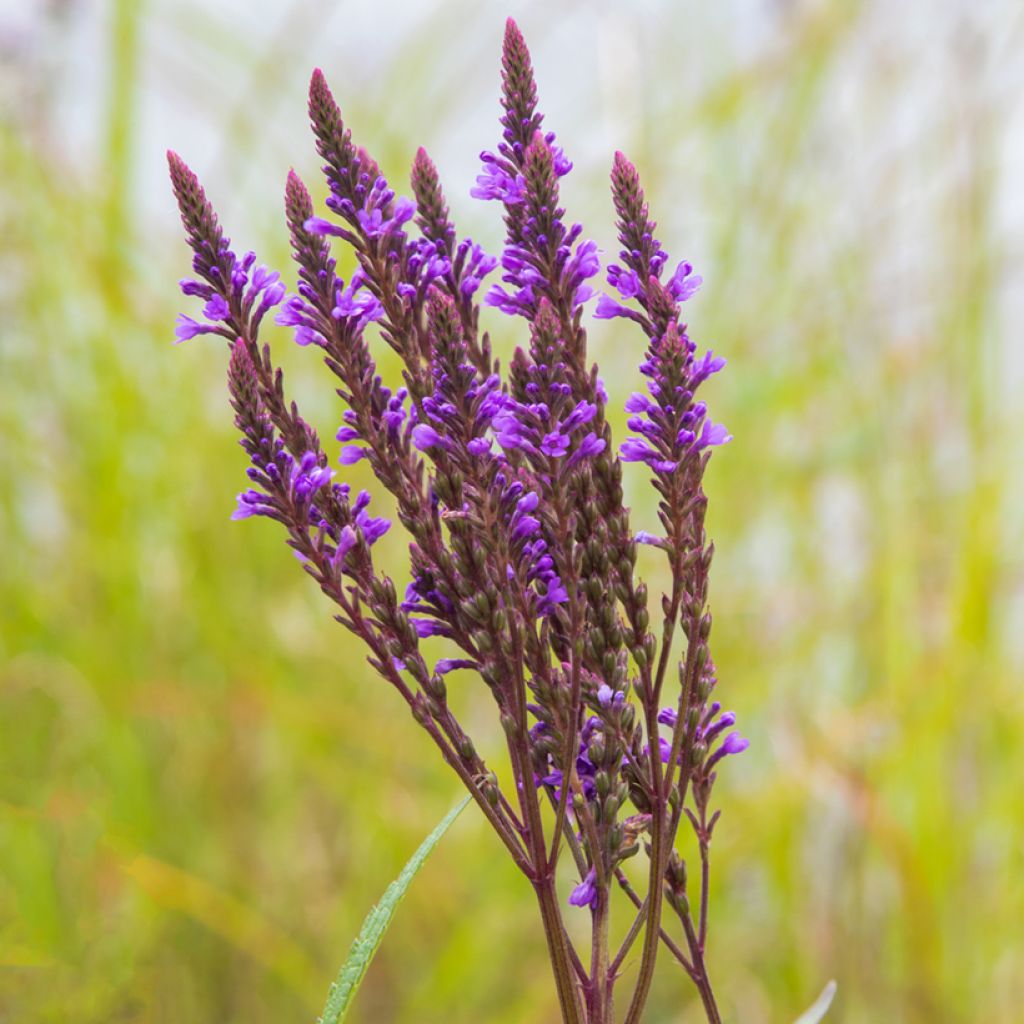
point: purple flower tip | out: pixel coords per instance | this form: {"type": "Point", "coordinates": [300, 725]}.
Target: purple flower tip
{"type": "Point", "coordinates": [734, 743]}
{"type": "Point", "coordinates": [319, 226]}
{"type": "Point", "coordinates": [446, 665]}
{"type": "Point", "coordinates": [351, 454]}
{"type": "Point", "coordinates": [426, 437]}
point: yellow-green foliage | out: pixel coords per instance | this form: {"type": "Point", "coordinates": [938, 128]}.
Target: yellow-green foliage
{"type": "Point", "coordinates": [203, 787]}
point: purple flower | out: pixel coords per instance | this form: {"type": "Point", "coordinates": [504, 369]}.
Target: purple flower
{"type": "Point", "coordinates": [346, 541]}
{"type": "Point", "coordinates": [299, 315]}
{"type": "Point", "coordinates": [476, 265]}
{"type": "Point", "coordinates": [585, 894]}
{"type": "Point", "coordinates": [723, 723]}
{"type": "Point", "coordinates": [308, 476]}
{"type": "Point", "coordinates": [608, 309]}
{"type": "Point", "coordinates": [590, 446]}
{"type": "Point", "coordinates": [376, 225]}
{"type": "Point", "coordinates": [707, 365]}
{"type": "Point", "coordinates": [356, 306]}
{"type": "Point", "coordinates": [581, 266]}
{"type": "Point", "coordinates": [251, 503]}
{"type": "Point", "coordinates": [497, 181]}
{"type": "Point", "coordinates": [188, 328]}
{"type": "Point", "coordinates": [684, 282]}
{"type": "Point", "coordinates": [638, 402]}
{"type": "Point", "coordinates": [625, 282]}
{"type": "Point", "coordinates": [609, 698]}
{"type": "Point", "coordinates": [216, 308]}
{"type": "Point", "coordinates": [713, 434]}
{"type": "Point", "coordinates": [351, 454]}
{"type": "Point", "coordinates": [734, 743]}
{"type": "Point", "coordinates": [252, 292]}
{"type": "Point", "coordinates": [430, 627]}
{"type": "Point", "coordinates": [635, 449]}
{"type": "Point", "coordinates": [446, 665]}
{"type": "Point", "coordinates": [321, 226]}
{"type": "Point", "coordinates": [529, 428]}
{"type": "Point", "coordinates": [554, 443]}
{"type": "Point", "coordinates": [425, 437]}
{"type": "Point", "coordinates": [520, 303]}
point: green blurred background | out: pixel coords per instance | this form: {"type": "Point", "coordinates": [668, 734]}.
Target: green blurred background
{"type": "Point", "coordinates": [203, 787]}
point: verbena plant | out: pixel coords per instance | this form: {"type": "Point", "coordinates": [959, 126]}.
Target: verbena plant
{"type": "Point", "coordinates": [522, 554]}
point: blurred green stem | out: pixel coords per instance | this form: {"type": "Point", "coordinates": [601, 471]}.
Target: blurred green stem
{"type": "Point", "coordinates": [126, 16]}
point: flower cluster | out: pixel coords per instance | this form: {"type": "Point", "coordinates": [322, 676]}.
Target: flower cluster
{"type": "Point", "coordinates": [522, 559]}
{"type": "Point", "coordinates": [248, 294]}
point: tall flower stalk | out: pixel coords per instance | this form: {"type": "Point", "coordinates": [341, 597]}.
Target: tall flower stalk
{"type": "Point", "coordinates": [522, 558]}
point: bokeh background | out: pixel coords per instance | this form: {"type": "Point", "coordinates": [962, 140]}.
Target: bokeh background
{"type": "Point", "coordinates": [202, 786]}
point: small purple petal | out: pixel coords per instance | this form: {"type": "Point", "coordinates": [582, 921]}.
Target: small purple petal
{"type": "Point", "coordinates": [425, 437]}
{"type": "Point", "coordinates": [352, 453]}
{"type": "Point", "coordinates": [319, 226]}
{"type": "Point", "coordinates": [446, 665]}
{"type": "Point", "coordinates": [713, 434]}
{"type": "Point", "coordinates": [643, 537]}
{"type": "Point", "coordinates": [734, 743]}
{"type": "Point", "coordinates": [585, 894]}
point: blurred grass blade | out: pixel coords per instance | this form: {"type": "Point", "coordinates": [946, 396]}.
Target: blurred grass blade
{"type": "Point", "coordinates": [820, 1007]}
{"type": "Point", "coordinates": [370, 935]}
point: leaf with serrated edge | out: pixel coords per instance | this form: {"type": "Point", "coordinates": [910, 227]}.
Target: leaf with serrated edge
{"type": "Point", "coordinates": [820, 1007]}
{"type": "Point", "coordinates": [365, 947]}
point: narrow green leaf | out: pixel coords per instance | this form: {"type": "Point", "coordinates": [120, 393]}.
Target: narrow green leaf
{"type": "Point", "coordinates": [370, 935]}
{"type": "Point", "coordinates": [820, 1007]}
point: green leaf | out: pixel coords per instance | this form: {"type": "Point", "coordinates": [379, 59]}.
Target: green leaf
{"type": "Point", "coordinates": [820, 1007]}
{"type": "Point", "coordinates": [363, 950]}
